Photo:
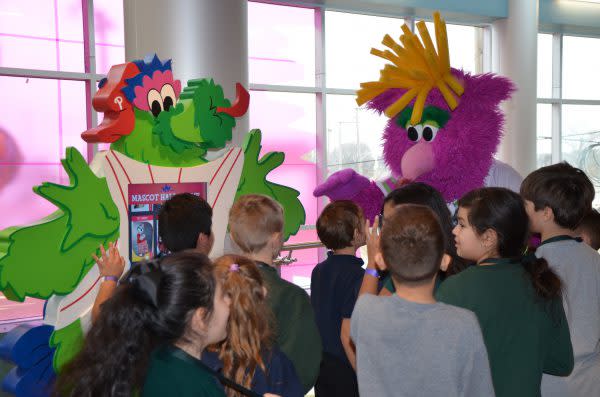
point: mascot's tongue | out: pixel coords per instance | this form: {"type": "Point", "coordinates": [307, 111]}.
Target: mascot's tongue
{"type": "Point", "coordinates": [418, 160]}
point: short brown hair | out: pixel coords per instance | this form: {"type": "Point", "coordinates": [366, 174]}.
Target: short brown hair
{"type": "Point", "coordinates": [337, 223]}
{"type": "Point", "coordinates": [564, 189]}
{"type": "Point", "coordinates": [412, 243]}
{"type": "Point", "coordinates": [590, 225]}
{"type": "Point", "coordinates": [253, 219]}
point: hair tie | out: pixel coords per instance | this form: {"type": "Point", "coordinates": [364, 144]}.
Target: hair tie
{"type": "Point", "coordinates": [234, 267]}
{"type": "Point", "coordinates": [146, 279]}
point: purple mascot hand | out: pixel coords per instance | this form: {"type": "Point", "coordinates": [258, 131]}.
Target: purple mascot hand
{"type": "Point", "coordinates": [342, 185]}
{"type": "Point", "coordinates": [348, 185]}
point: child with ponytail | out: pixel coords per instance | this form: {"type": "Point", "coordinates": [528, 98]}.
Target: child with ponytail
{"type": "Point", "coordinates": [248, 355]}
{"type": "Point", "coordinates": [516, 298]}
{"type": "Point", "coordinates": [149, 335]}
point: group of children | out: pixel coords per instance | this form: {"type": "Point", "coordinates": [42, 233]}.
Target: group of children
{"type": "Point", "coordinates": [444, 306]}
{"type": "Point", "coordinates": [474, 310]}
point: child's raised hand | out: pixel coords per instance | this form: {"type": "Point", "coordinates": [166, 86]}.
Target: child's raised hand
{"type": "Point", "coordinates": [110, 263]}
{"type": "Point", "coordinates": [372, 242]}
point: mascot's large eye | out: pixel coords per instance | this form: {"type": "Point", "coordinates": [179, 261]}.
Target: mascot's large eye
{"type": "Point", "coordinates": [155, 102]}
{"type": "Point", "coordinates": [415, 132]}
{"type": "Point", "coordinates": [429, 132]}
{"type": "Point", "coordinates": [168, 94]}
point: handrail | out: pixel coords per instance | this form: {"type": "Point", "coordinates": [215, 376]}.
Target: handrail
{"type": "Point", "coordinates": [302, 246]}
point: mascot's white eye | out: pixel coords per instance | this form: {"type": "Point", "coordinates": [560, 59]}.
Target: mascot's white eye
{"type": "Point", "coordinates": [429, 132]}
{"type": "Point", "coordinates": [155, 102]}
{"type": "Point", "coordinates": [415, 132]}
{"type": "Point", "coordinates": [168, 95]}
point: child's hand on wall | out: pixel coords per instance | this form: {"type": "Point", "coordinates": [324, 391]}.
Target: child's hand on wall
{"type": "Point", "coordinates": [110, 263]}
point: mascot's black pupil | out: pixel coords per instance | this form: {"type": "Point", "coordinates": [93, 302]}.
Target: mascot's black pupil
{"type": "Point", "coordinates": [427, 134]}
{"type": "Point", "coordinates": [168, 103]}
{"type": "Point", "coordinates": [156, 108]}
{"type": "Point", "coordinates": [413, 135]}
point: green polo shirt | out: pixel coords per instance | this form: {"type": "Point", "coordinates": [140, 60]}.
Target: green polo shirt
{"type": "Point", "coordinates": [173, 372]}
{"type": "Point", "coordinates": [524, 336]}
{"type": "Point", "coordinates": [297, 333]}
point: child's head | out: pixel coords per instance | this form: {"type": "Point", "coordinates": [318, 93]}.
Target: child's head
{"type": "Point", "coordinates": [491, 222]}
{"type": "Point", "coordinates": [423, 194]}
{"type": "Point", "coordinates": [185, 222]}
{"type": "Point", "coordinates": [174, 299]}
{"type": "Point", "coordinates": [256, 224]}
{"type": "Point", "coordinates": [557, 194]}
{"type": "Point", "coordinates": [411, 244]}
{"type": "Point", "coordinates": [341, 225]}
{"type": "Point", "coordinates": [250, 318]}
{"type": "Point", "coordinates": [589, 229]}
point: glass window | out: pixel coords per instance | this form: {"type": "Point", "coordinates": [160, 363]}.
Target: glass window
{"type": "Point", "coordinates": [544, 134]}
{"type": "Point", "coordinates": [44, 116]}
{"type": "Point", "coordinates": [281, 45]}
{"type": "Point", "coordinates": [462, 44]}
{"type": "Point", "coordinates": [544, 66]}
{"type": "Point", "coordinates": [581, 141]}
{"type": "Point", "coordinates": [581, 63]}
{"type": "Point", "coordinates": [51, 31]}
{"type": "Point", "coordinates": [347, 47]}
{"type": "Point", "coordinates": [354, 137]}
{"type": "Point", "coordinates": [109, 34]}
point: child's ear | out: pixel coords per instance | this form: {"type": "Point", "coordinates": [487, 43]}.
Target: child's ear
{"type": "Point", "coordinates": [199, 322]}
{"type": "Point", "coordinates": [446, 259]}
{"type": "Point", "coordinates": [548, 214]}
{"type": "Point", "coordinates": [490, 238]}
{"type": "Point", "coordinates": [379, 261]}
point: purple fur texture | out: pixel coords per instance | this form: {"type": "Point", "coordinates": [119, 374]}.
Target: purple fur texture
{"type": "Point", "coordinates": [465, 147]}
{"type": "Point", "coordinates": [349, 185]}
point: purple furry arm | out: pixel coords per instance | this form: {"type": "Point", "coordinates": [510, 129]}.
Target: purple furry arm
{"type": "Point", "coordinates": [370, 200]}
{"type": "Point", "coordinates": [349, 185]}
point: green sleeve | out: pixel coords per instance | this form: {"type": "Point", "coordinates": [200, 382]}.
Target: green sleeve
{"type": "Point", "coordinates": [299, 337]}
{"type": "Point", "coordinates": [448, 292]}
{"type": "Point", "coordinates": [559, 350]}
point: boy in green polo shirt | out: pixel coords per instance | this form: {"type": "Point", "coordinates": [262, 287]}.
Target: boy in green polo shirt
{"type": "Point", "coordinates": [256, 227]}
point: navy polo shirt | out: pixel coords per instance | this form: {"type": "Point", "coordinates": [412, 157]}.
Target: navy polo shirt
{"type": "Point", "coordinates": [334, 287]}
{"type": "Point", "coordinates": [280, 377]}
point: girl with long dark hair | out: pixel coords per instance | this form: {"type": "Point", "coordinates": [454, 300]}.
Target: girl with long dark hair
{"type": "Point", "coordinates": [516, 297]}
{"type": "Point", "coordinates": [149, 335]}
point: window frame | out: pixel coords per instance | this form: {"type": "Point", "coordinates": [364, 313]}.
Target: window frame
{"type": "Point", "coordinates": [557, 101]}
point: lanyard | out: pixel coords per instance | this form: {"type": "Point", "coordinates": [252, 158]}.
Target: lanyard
{"type": "Point", "coordinates": [226, 381]}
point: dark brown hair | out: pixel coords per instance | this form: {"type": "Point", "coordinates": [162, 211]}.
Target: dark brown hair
{"type": "Point", "coordinates": [563, 188]}
{"type": "Point", "coordinates": [181, 220]}
{"type": "Point", "coordinates": [133, 322]}
{"type": "Point", "coordinates": [590, 225]}
{"type": "Point", "coordinates": [337, 223]}
{"type": "Point", "coordinates": [412, 243]}
{"type": "Point", "coordinates": [423, 194]}
{"type": "Point", "coordinates": [503, 211]}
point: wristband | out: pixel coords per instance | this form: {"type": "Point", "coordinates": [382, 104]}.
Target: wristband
{"type": "Point", "coordinates": [372, 272]}
{"type": "Point", "coordinates": [111, 278]}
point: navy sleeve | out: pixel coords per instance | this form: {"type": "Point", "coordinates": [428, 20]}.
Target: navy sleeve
{"type": "Point", "coordinates": [282, 377]}
{"type": "Point", "coordinates": [350, 293]}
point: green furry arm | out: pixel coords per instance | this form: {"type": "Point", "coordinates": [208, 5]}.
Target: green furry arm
{"type": "Point", "coordinates": [52, 256]}
{"type": "Point", "coordinates": [254, 181]}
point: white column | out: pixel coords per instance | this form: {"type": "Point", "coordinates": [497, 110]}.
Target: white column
{"type": "Point", "coordinates": [205, 38]}
{"type": "Point", "coordinates": [514, 55]}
